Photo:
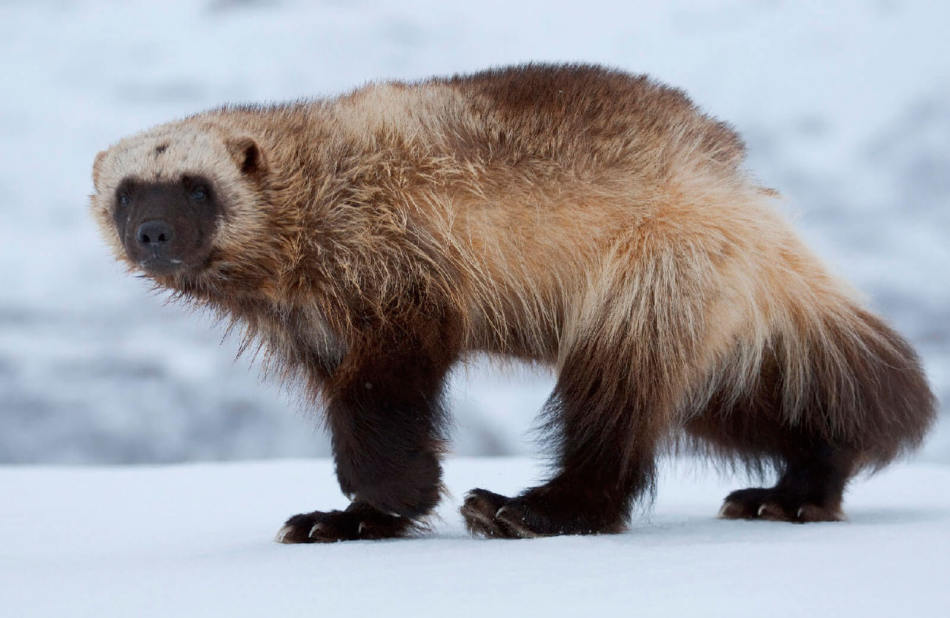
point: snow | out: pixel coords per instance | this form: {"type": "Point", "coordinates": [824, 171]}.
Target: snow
{"type": "Point", "coordinates": [197, 540]}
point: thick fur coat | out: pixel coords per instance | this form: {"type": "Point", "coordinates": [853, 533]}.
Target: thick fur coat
{"type": "Point", "coordinates": [574, 216]}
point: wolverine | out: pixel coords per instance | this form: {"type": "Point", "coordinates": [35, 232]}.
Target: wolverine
{"type": "Point", "coordinates": [573, 216]}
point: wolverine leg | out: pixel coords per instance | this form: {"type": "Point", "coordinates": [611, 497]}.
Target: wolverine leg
{"type": "Point", "coordinates": [386, 417]}
{"type": "Point", "coordinates": [813, 470]}
{"type": "Point", "coordinates": [627, 361]}
{"type": "Point", "coordinates": [809, 489]}
{"type": "Point", "coordinates": [606, 453]}
{"type": "Point", "coordinates": [581, 499]}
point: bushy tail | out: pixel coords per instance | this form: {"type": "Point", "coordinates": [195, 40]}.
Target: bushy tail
{"type": "Point", "coordinates": [856, 382]}
{"type": "Point", "coordinates": [793, 353]}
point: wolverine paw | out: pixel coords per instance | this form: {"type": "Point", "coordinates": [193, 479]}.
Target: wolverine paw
{"type": "Point", "coordinates": [489, 514]}
{"type": "Point", "coordinates": [537, 512]}
{"type": "Point", "coordinates": [775, 505]}
{"type": "Point", "coordinates": [359, 521]}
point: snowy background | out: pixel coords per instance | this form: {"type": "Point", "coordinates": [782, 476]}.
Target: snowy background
{"type": "Point", "coordinates": [195, 540]}
{"type": "Point", "coordinates": [846, 110]}
{"type": "Point", "coordinates": [845, 106]}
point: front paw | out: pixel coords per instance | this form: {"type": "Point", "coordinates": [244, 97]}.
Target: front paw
{"type": "Point", "coordinates": [359, 521]}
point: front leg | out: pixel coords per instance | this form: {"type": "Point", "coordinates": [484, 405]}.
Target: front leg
{"type": "Point", "coordinates": [384, 409]}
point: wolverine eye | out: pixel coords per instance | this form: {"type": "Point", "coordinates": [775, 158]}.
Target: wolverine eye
{"type": "Point", "coordinates": [124, 199]}
{"type": "Point", "coordinates": [198, 194]}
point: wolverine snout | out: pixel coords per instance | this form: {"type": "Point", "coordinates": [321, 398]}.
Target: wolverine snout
{"type": "Point", "coordinates": [155, 242]}
{"type": "Point", "coordinates": [155, 236]}
{"type": "Point", "coordinates": [166, 227]}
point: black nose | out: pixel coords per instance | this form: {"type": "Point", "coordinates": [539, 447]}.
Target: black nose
{"type": "Point", "coordinates": [155, 234]}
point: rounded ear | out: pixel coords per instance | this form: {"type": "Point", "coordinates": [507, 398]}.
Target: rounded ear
{"type": "Point", "coordinates": [97, 168]}
{"type": "Point", "coordinates": [247, 155]}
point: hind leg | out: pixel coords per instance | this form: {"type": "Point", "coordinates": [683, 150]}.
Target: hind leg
{"type": "Point", "coordinates": [813, 472]}
{"type": "Point", "coordinates": [606, 422]}
{"type": "Point", "coordinates": [624, 365]}
{"type": "Point", "coordinates": [809, 489]}
{"type": "Point", "coordinates": [606, 442]}
{"type": "Point", "coordinates": [601, 469]}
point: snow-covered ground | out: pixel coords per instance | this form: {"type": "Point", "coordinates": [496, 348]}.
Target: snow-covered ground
{"type": "Point", "coordinates": [196, 540]}
{"type": "Point", "coordinates": [846, 107]}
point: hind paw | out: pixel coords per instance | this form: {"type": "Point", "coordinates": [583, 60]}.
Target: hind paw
{"type": "Point", "coordinates": [489, 514]}
{"type": "Point", "coordinates": [359, 521]}
{"type": "Point", "coordinates": [537, 512]}
{"type": "Point", "coordinates": [775, 505]}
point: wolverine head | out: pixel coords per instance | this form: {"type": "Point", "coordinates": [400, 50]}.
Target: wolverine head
{"type": "Point", "coordinates": [164, 198]}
